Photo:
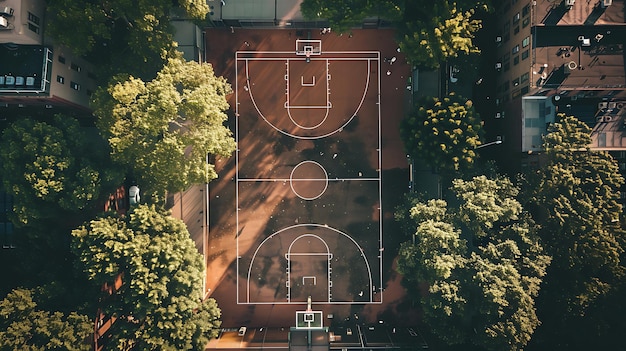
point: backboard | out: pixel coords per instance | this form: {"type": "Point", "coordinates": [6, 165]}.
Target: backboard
{"type": "Point", "coordinates": [309, 320]}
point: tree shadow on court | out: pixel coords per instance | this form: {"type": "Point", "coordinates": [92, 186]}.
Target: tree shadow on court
{"type": "Point", "coordinates": [353, 125]}
{"type": "Point", "coordinates": [395, 184]}
{"type": "Point", "coordinates": [342, 156]}
{"type": "Point", "coordinates": [283, 143]}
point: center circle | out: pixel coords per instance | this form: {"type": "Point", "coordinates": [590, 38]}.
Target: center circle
{"type": "Point", "coordinates": [308, 180]}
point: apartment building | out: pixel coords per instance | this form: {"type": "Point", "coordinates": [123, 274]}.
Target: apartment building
{"type": "Point", "coordinates": [35, 72]}
{"type": "Point", "coordinates": [557, 56]}
{"type": "Point", "coordinates": [560, 56]}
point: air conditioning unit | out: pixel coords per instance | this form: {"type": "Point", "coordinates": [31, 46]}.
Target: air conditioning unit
{"type": "Point", "coordinates": [606, 3]}
{"type": "Point", "coordinates": [602, 105]}
{"type": "Point", "coordinates": [599, 119]}
{"type": "Point", "coordinates": [6, 11]}
{"type": "Point", "coordinates": [498, 39]}
{"type": "Point", "coordinates": [499, 115]}
{"type": "Point", "coordinates": [608, 118]}
{"type": "Point", "coordinates": [612, 105]}
{"type": "Point", "coordinates": [498, 65]}
{"type": "Point", "coordinates": [569, 3]}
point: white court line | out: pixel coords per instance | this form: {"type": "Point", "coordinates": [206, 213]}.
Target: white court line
{"type": "Point", "coordinates": [303, 179]}
{"type": "Point", "coordinates": [367, 264]}
{"type": "Point", "coordinates": [366, 88]}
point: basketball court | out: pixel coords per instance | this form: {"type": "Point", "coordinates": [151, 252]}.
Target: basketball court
{"type": "Point", "coordinates": [308, 176]}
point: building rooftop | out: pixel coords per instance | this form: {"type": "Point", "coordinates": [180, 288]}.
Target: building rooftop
{"type": "Point", "coordinates": [556, 12]}
{"type": "Point", "coordinates": [580, 58]}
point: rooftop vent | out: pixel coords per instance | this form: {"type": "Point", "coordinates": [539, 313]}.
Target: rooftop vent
{"type": "Point", "coordinates": [606, 3]}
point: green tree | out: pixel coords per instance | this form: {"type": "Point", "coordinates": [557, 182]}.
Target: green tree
{"type": "Point", "coordinates": [163, 129]}
{"type": "Point", "coordinates": [482, 263]}
{"type": "Point", "coordinates": [575, 196]}
{"type": "Point", "coordinates": [344, 15]}
{"type": "Point", "coordinates": [441, 33]}
{"type": "Point", "coordinates": [47, 168]}
{"type": "Point", "coordinates": [445, 133]}
{"type": "Point", "coordinates": [429, 32]}
{"type": "Point", "coordinates": [160, 304]}
{"type": "Point", "coordinates": [123, 35]}
{"type": "Point", "coordinates": [24, 327]}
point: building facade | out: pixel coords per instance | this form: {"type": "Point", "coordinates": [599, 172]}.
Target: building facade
{"type": "Point", "coordinates": [35, 72]}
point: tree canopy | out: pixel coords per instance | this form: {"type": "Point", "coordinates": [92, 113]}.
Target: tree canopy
{"type": "Point", "coordinates": [47, 167]}
{"type": "Point", "coordinates": [163, 129]}
{"type": "Point", "coordinates": [575, 196]}
{"type": "Point", "coordinates": [482, 263]}
{"type": "Point", "coordinates": [24, 327]}
{"type": "Point", "coordinates": [429, 32]}
{"type": "Point", "coordinates": [445, 133]}
{"type": "Point", "coordinates": [446, 32]}
{"type": "Point", "coordinates": [160, 304]}
{"type": "Point", "coordinates": [121, 35]}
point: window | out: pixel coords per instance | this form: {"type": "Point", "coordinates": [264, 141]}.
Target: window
{"type": "Point", "coordinates": [33, 18]}
{"type": "Point", "coordinates": [524, 77]}
{"type": "Point", "coordinates": [61, 59]}
{"type": "Point", "coordinates": [33, 22]}
{"type": "Point", "coordinates": [33, 28]}
{"type": "Point", "coordinates": [505, 86]}
{"type": "Point", "coordinates": [515, 50]}
{"type": "Point", "coordinates": [75, 67]}
{"type": "Point", "coordinates": [516, 30]}
{"type": "Point", "coordinates": [91, 75]}
{"type": "Point", "coordinates": [75, 85]}
{"type": "Point", "coordinates": [516, 82]}
{"type": "Point", "coordinates": [525, 90]}
{"type": "Point", "coordinates": [524, 54]}
{"type": "Point", "coordinates": [60, 79]}
{"type": "Point", "coordinates": [507, 66]}
{"type": "Point", "coordinates": [525, 22]}
{"type": "Point", "coordinates": [526, 10]}
{"type": "Point", "coordinates": [515, 60]}
{"type": "Point", "coordinates": [516, 18]}
{"type": "Point", "coordinates": [526, 42]}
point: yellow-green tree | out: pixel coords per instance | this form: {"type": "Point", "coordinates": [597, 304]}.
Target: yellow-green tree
{"type": "Point", "coordinates": [575, 197]}
{"type": "Point", "coordinates": [445, 133]}
{"type": "Point", "coordinates": [447, 33]}
{"type": "Point", "coordinates": [25, 327]}
{"type": "Point", "coordinates": [119, 35]}
{"type": "Point", "coordinates": [483, 264]}
{"type": "Point", "coordinates": [160, 305]}
{"type": "Point", "coordinates": [50, 168]}
{"type": "Point", "coordinates": [164, 129]}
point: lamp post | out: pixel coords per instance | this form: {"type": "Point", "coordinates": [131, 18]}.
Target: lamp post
{"type": "Point", "coordinates": [489, 144]}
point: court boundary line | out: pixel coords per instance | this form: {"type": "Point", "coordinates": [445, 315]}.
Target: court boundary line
{"type": "Point", "coordinates": [352, 56]}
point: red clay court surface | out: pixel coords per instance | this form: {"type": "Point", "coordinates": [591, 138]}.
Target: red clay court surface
{"type": "Point", "coordinates": [297, 209]}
